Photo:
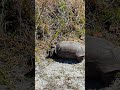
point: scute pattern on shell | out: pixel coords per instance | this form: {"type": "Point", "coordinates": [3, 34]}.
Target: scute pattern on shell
{"type": "Point", "coordinates": [70, 49]}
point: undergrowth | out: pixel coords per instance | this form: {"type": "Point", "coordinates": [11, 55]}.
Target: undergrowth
{"type": "Point", "coordinates": [103, 19]}
{"type": "Point", "coordinates": [59, 19]}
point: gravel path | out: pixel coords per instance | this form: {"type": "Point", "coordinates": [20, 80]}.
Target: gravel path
{"type": "Point", "coordinates": [53, 75]}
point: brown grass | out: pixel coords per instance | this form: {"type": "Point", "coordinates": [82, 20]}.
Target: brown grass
{"type": "Point", "coordinates": [58, 20]}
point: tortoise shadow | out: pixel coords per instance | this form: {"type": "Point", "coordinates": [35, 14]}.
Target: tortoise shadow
{"type": "Point", "coordinates": [67, 61]}
{"type": "Point", "coordinates": [64, 60]}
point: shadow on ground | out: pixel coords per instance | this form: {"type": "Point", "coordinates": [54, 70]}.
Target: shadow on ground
{"type": "Point", "coordinates": [68, 61]}
{"type": "Point", "coordinates": [61, 60]}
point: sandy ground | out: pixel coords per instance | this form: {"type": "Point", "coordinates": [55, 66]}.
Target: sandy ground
{"type": "Point", "coordinates": [58, 75]}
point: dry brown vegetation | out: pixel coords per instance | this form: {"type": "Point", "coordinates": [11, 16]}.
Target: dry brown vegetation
{"type": "Point", "coordinates": [58, 20]}
{"type": "Point", "coordinates": [103, 19]}
{"type": "Point", "coordinates": [17, 35]}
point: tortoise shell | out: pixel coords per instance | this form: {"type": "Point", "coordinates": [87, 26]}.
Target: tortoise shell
{"type": "Point", "coordinates": [70, 49]}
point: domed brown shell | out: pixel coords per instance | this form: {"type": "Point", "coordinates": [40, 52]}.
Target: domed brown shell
{"type": "Point", "coordinates": [70, 50]}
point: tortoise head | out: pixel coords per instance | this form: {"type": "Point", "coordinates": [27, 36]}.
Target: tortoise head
{"type": "Point", "coordinates": [50, 52]}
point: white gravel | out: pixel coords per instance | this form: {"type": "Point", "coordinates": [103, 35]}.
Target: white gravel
{"type": "Point", "coordinates": [52, 75]}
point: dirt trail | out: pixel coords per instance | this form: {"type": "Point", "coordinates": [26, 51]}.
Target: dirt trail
{"type": "Point", "coordinates": [57, 75]}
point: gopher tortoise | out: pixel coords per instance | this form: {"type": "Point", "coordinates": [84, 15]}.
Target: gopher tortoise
{"type": "Point", "coordinates": [68, 50]}
{"type": "Point", "coordinates": [102, 57]}
{"type": "Point", "coordinates": [102, 52]}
